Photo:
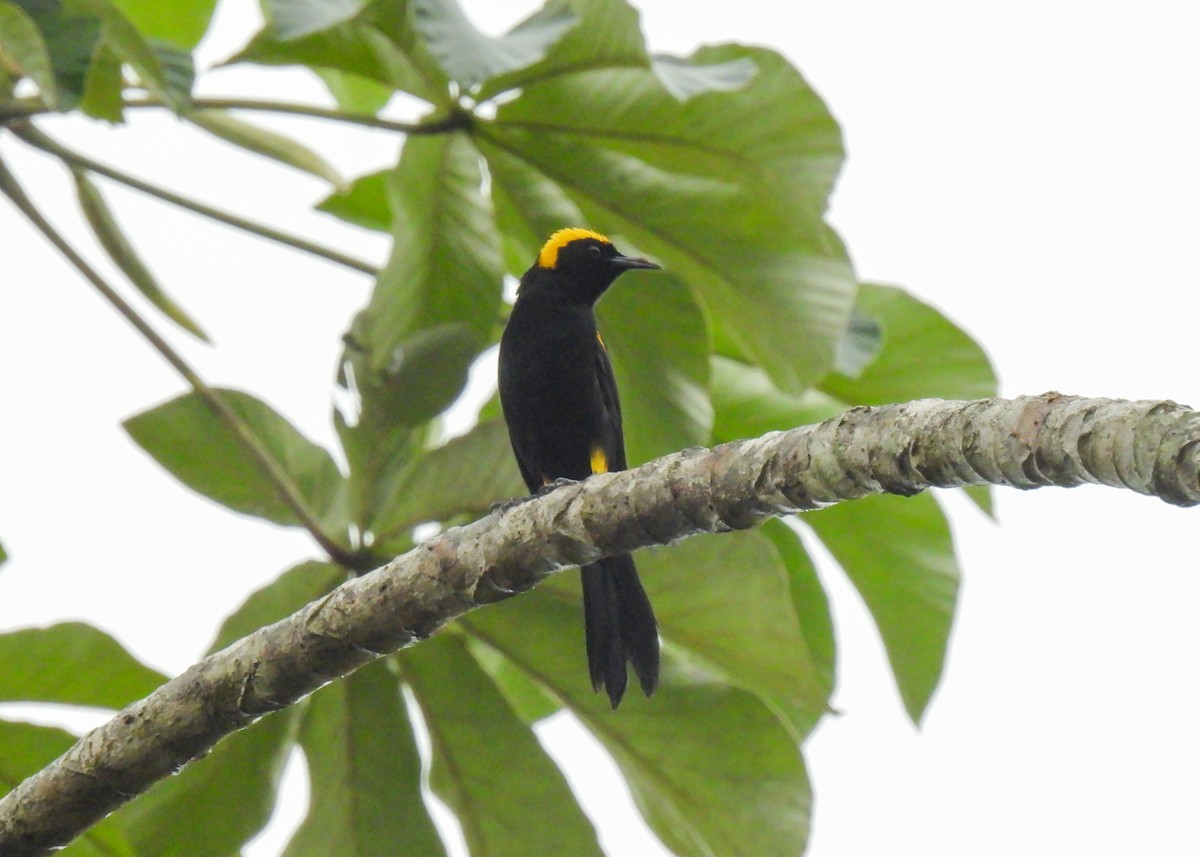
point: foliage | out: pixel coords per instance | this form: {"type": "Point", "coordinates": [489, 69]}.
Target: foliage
{"type": "Point", "coordinates": [718, 165]}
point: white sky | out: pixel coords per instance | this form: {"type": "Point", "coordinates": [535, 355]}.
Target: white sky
{"type": "Point", "coordinates": [1031, 170]}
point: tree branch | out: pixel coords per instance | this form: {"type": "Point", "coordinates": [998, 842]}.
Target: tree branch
{"type": "Point", "coordinates": [1150, 447]}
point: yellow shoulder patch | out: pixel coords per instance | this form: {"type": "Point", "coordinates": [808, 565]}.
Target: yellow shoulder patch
{"type": "Point", "coordinates": [548, 258]}
{"type": "Point", "coordinates": [599, 460]}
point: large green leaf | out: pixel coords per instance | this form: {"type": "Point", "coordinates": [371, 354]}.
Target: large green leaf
{"type": "Point", "coordinates": [661, 368]}
{"type": "Point", "coordinates": [727, 189]}
{"type": "Point", "coordinates": [22, 43]}
{"type": "Point", "coordinates": [70, 37]}
{"type": "Point", "coordinates": [73, 664]}
{"type": "Point", "coordinates": [365, 773]}
{"type": "Point", "coordinates": [199, 449]}
{"type": "Point", "coordinates": [726, 601]}
{"type": "Point", "coordinates": [377, 45]}
{"type": "Point", "coordinates": [469, 56]}
{"type": "Point", "coordinates": [24, 750]}
{"type": "Point", "coordinates": [180, 22]}
{"type": "Point", "coordinates": [711, 768]}
{"type": "Point", "coordinates": [903, 371]}
{"type": "Point", "coordinates": [216, 803]}
{"type": "Point", "coordinates": [464, 476]}
{"type": "Point", "coordinates": [112, 238]}
{"type": "Point", "coordinates": [445, 261]}
{"type": "Point", "coordinates": [162, 69]}
{"type": "Point", "coordinates": [608, 35]}
{"type": "Point", "coordinates": [898, 553]}
{"type": "Point", "coordinates": [487, 765]}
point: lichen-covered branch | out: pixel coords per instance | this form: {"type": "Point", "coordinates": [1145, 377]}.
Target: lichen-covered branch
{"type": "Point", "coordinates": [1150, 447]}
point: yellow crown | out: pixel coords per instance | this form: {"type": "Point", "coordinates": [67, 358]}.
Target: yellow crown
{"type": "Point", "coordinates": [548, 258]}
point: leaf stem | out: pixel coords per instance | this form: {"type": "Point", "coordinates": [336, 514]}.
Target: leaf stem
{"type": "Point", "coordinates": [37, 139]}
{"type": "Point", "coordinates": [458, 120]}
{"type": "Point", "coordinates": [284, 489]}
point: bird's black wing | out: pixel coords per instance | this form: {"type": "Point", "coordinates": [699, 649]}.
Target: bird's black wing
{"type": "Point", "coordinates": [614, 445]}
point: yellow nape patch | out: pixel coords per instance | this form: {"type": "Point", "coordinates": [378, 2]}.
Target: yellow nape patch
{"type": "Point", "coordinates": [548, 258]}
{"type": "Point", "coordinates": [600, 339]}
{"type": "Point", "coordinates": [599, 460]}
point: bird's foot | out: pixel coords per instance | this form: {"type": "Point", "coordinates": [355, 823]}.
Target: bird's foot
{"type": "Point", "coordinates": [505, 505]}
{"type": "Point", "coordinates": [557, 483]}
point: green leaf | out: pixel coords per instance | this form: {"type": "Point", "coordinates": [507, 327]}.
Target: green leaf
{"type": "Point", "coordinates": [104, 90]}
{"type": "Point", "coordinates": [294, 19]}
{"type": "Point", "coordinates": [217, 803]}
{"type": "Point", "coordinates": [470, 57]}
{"type": "Point", "coordinates": [662, 369]}
{"type": "Point", "coordinates": [385, 420]}
{"type": "Point", "coordinates": [72, 664]}
{"type": "Point", "coordinates": [3, 555]}
{"type": "Point", "coordinates": [279, 599]}
{"type": "Point", "coordinates": [808, 599]}
{"type": "Point", "coordinates": [70, 39]}
{"type": "Point", "coordinates": [180, 22]}
{"type": "Point", "coordinates": [746, 403]}
{"type": "Point", "coordinates": [23, 44]}
{"type": "Point", "coordinates": [445, 262]}
{"type": "Point", "coordinates": [377, 45]}
{"type": "Point", "coordinates": [466, 475]}
{"type": "Point", "coordinates": [898, 553]}
{"type": "Point", "coordinates": [726, 601]}
{"type": "Point", "coordinates": [165, 71]}
{"type": "Point", "coordinates": [269, 144]}
{"type": "Point", "coordinates": [902, 372]}
{"type": "Point", "coordinates": [364, 203]}
{"type": "Point", "coordinates": [528, 699]}
{"type": "Point", "coordinates": [108, 232]}
{"type": "Point", "coordinates": [711, 768]}
{"type": "Point", "coordinates": [365, 773]}
{"type": "Point", "coordinates": [24, 750]}
{"type": "Point", "coordinates": [608, 35]}
{"type": "Point", "coordinates": [727, 189]}
{"type": "Point", "coordinates": [202, 452]}
{"type": "Point", "coordinates": [487, 765]}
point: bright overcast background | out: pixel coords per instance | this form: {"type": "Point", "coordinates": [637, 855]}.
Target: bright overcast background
{"type": "Point", "coordinates": [1031, 169]}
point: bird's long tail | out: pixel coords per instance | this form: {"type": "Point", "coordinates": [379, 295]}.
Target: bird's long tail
{"type": "Point", "coordinates": [620, 626]}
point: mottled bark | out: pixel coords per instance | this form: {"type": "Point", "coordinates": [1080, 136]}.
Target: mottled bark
{"type": "Point", "coordinates": [1149, 447]}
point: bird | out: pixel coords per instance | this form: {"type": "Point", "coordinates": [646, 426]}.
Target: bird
{"type": "Point", "coordinates": [559, 399]}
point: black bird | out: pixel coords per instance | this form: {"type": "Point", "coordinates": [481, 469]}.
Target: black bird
{"type": "Point", "coordinates": [564, 420]}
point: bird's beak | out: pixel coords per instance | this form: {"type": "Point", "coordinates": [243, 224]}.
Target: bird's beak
{"type": "Point", "coordinates": [627, 263]}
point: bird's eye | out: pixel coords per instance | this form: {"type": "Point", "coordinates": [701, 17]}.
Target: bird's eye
{"type": "Point", "coordinates": [594, 250]}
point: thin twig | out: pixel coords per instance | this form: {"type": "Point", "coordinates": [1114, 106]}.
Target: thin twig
{"type": "Point", "coordinates": [39, 140]}
{"type": "Point", "coordinates": [284, 489]}
{"type": "Point", "coordinates": [25, 109]}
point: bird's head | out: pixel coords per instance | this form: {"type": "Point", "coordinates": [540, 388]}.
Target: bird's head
{"type": "Point", "coordinates": [585, 262]}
